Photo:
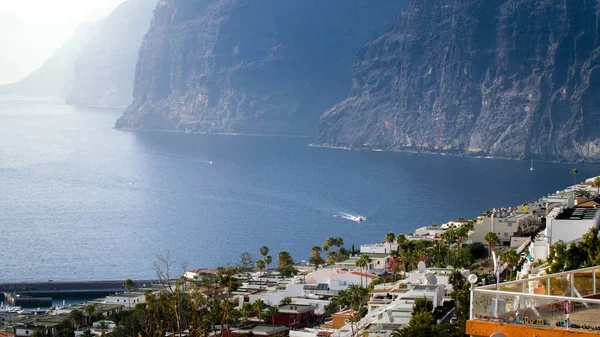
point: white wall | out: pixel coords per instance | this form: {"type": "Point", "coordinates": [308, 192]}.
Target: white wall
{"type": "Point", "coordinates": [569, 230]}
{"type": "Point", "coordinates": [378, 248]}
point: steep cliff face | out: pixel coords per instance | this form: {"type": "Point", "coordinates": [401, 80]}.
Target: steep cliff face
{"type": "Point", "coordinates": [267, 66]}
{"type": "Point", "coordinates": [54, 77]}
{"type": "Point", "coordinates": [104, 70]}
{"type": "Point", "coordinates": [503, 78]}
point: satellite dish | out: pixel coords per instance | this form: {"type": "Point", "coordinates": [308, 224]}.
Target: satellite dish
{"type": "Point", "coordinates": [498, 334]}
{"type": "Point", "coordinates": [391, 319]}
{"type": "Point", "coordinates": [431, 279]}
{"type": "Point", "coordinates": [421, 267]}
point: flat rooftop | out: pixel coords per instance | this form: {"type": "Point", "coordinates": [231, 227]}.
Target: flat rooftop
{"type": "Point", "coordinates": [577, 213]}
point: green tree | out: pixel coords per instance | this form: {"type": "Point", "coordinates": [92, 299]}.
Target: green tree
{"type": "Point", "coordinates": [75, 317]}
{"type": "Point", "coordinates": [246, 264]}
{"type": "Point", "coordinates": [103, 328]}
{"type": "Point", "coordinates": [492, 240]}
{"type": "Point", "coordinates": [285, 301]}
{"type": "Point", "coordinates": [574, 172]}
{"type": "Point", "coordinates": [389, 239]}
{"type": "Point", "coordinates": [87, 333]}
{"type": "Point", "coordinates": [363, 262]}
{"type": "Point", "coordinates": [272, 312]}
{"type": "Point", "coordinates": [129, 285]}
{"type": "Point", "coordinates": [511, 258]}
{"type": "Point", "coordinates": [260, 265]}
{"type": "Point", "coordinates": [316, 261]}
{"type": "Point", "coordinates": [90, 311]}
{"type": "Point", "coordinates": [597, 184]}
{"type": "Point", "coordinates": [285, 264]}
{"type": "Point", "coordinates": [268, 261]}
{"type": "Point", "coordinates": [422, 304]}
{"type": "Point", "coordinates": [38, 333]}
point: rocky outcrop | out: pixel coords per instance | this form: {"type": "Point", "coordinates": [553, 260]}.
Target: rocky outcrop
{"type": "Point", "coordinates": [104, 70]}
{"type": "Point", "coordinates": [268, 66]}
{"type": "Point", "coordinates": [55, 76]}
{"type": "Point", "coordinates": [97, 65]}
{"type": "Point", "coordinates": [502, 78]}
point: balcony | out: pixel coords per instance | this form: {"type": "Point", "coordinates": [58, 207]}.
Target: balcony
{"type": "Point", "coordinates": [551, 305]}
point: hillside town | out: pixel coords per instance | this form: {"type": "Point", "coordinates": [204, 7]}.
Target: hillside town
{"type": "Point", "coordinates": [524, 270]}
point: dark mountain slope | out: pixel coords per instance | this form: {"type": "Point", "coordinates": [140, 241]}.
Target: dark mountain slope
{"type": "Point", "coordinates": [104, 70]}
{"type": "Point", "coordinates": [265, 66]}
{"type": "Point", "coordinates": [502, 78]}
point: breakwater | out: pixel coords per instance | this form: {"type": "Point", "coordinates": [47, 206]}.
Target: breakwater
{"type": "Point", "coordinates": [68, 289]}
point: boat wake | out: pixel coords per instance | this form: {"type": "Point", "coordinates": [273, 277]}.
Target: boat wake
{"type": "Point", "coordinates": [351, 217]}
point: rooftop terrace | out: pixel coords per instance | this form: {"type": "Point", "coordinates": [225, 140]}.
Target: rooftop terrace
{"type": "Point", "coordinates": [577, 213]}
{"type": "Point", "coordinates": [568, 300]}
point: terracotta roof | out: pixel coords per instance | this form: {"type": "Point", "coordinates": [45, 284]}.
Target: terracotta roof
{"type": "Point", "coordinates": [324, 333]}
{"type": "Point", "coordinates": [6, 334]}
{"type": "Point", "coordinates": [363, 274]}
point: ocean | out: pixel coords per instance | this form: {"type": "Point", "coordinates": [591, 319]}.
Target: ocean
{"type": "Point", "coordinates": [80, 200]}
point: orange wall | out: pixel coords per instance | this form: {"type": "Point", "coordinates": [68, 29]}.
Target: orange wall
{"type": "Point", "coordinates": [339, 320]}
{"type": "Point", "coordinates": [485, 329]}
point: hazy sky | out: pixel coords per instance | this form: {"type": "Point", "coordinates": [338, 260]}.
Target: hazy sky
{"type": "Point", "coordinates": [31, 30]}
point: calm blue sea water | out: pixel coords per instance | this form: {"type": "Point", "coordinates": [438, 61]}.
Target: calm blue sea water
{"type": "Point", "coordinates": [80, 200]}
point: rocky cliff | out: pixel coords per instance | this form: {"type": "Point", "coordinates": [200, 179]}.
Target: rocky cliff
{"type": "Point", "coordinates": [261, 66]}
{"type": "Point", "coordinates": [55, 76]}
{"type": "Point", "coordinates": [502, 78]}
{"type": "Point", "coordinates": [97, 65]}
{"type": "Point", "coordinates": [104, 70]}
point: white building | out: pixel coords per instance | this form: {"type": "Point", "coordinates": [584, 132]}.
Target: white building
{"type": "Point", "coordinates": [505, 224]}
{"type": "Point", "coordinates": [127, 299]}
{"type": "Point", "coordinates": [569, 224]}
{"type": "Point", "coordinates": [378, 248]}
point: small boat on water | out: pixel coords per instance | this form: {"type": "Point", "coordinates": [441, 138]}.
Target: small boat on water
{"type": "Point", "coordinates": [531, 167]}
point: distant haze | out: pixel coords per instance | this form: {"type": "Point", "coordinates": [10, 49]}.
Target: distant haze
{"type": "Point", "coordinates": [31, 30]}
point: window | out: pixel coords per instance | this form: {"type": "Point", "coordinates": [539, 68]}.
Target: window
{"type": "Point", "coordinates": [509, 224]}
{"type": "Point", "coordinates": [505, 234]}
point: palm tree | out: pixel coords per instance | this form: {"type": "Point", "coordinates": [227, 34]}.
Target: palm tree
{"type": "Point", "coordinates": [285, 301]}
{"type": "Point", "coordinates": [363, 262]}
{"type": "Point", "coordinates": [398, 332]}
{"type": "Point", "coordinates": [597, 183]}
{"type": "Point", "coordinates": [390, 238]}
{"type": "Point", "coordinates": [87, 333]}
{"type": "Point", "coordinates": [90, 310]}
{"type": "Point", "coordinates": [338, 242]}
{"type": "Point", "coordinates": [264, 251]}
{"type": "Point", "coordinates": [103, 327]}
{"type": "Point", "coordinates": [260, 265]}
{"type": "Point", "coordinates": [315, 251]}
{"type": "Point", "coordinates": [316, 261]}
{"type": "Point", "coordinates": [75, 317]}
{"type": "Point", "coordinates": [400, 240]}
{"type": "Point", "coordinates": [574, 172]}
{"type": "Point", "coordinates": [511, 258]}
{"type": "Point", "coordinates": [268, 261]}
{"type": "Point", "coordinates": [325, 246]}
{"type": "Point", "coordinates": [333, 257]}
{"type": "Point", "coordinates": [259, 305]}
{"type": "Point", "coordinates": [272, 312]}
{"type": "Point", "coordinates": [492, 240]}
{"type": "Point", "coordinates": [129, 285]}
{"type": "Point", "coordinates": [38, 333]}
